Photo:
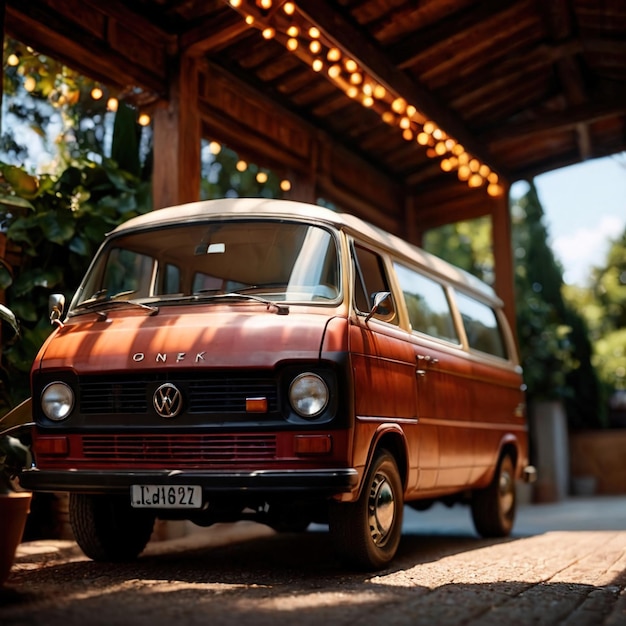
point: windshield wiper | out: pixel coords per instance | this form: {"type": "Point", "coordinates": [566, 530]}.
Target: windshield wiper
{"type": "Point", "coordinates": [281, 309]}
{"type": "Point", "coordinates": [97, 306]}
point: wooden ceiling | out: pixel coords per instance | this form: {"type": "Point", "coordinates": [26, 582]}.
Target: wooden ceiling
{"type": "Point", "coordinates": [524, 86]}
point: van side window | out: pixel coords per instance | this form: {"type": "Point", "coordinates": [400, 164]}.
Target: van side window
{"type": "Point", "coordinates": [427, 304]}
{"type": "Point", "coordinates": [481, 326]}
{"type": "Point", "coordinates": [369, 279]}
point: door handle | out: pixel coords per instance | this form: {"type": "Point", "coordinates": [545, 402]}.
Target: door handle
{"type": "Point", "coordinates": [429, 360]}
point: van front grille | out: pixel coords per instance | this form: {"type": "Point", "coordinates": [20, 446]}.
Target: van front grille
{"type": "Point", "coordinates": [179, 450]}
{"type": "Point", "coordinates": [212, 394]}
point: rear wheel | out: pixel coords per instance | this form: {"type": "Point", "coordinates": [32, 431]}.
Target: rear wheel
{"type": "Point", "coordinates": [107, 528]}
{"type": "Point", "coordinates": [493, 508]}
{"type": "Point", "coordinates": [366, 533]}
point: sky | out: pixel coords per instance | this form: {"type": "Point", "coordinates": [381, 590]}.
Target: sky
{"type": "Point", "coordinates": [584, 207]}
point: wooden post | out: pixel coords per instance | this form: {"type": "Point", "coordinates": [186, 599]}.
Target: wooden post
{"type": "Point", "coordinates": [177, 138]}
{"type": "Point", "coordinates": [503, 255]}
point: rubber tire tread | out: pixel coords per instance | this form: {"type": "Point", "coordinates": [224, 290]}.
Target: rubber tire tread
{"type": "Point", "coordinates": [349, 522]}
{"type": "Point", "coordinates": [489, 520]}
{"type": "Point", "coordinates": [107, 528]}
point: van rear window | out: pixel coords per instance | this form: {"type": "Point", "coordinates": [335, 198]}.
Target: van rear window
{"type": "Point", "coordinates": [481, 326]}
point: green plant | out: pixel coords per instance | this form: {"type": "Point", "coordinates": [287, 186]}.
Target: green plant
{"type": "Point", "coordinates": [57, 222]}
{"type": "Point", "coordinates": [14, 455]}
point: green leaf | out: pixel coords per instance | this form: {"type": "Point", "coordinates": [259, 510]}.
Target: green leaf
{"type": "Point", "coordinates": [16, 201]}
{"type": "Point", "coordinates": [36, 277]}
{"type": "Point", "coordinates": [58, 226]}
{"type": "Point", "coordinates": [6, 279]}
{"type": "Point", "coordinates": [78, 245]}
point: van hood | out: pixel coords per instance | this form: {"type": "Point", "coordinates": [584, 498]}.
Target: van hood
{"type": "Point", "coordinates": [178, 338]}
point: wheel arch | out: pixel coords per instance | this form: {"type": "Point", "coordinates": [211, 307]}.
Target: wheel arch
{"type": "Point", "coordinates": [391, 438]}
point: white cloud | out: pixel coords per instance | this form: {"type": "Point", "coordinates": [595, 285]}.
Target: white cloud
{"type": "Point", "coordinates": [583, 249]}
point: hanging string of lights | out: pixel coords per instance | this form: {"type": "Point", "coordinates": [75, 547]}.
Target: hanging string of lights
{"type": "Point", "coordinates": [284, 22]}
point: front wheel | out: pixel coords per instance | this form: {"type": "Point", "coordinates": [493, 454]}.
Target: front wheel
{"type": "Point", "coordinates": [493, 508]}
{"type": "Point", "coordinates": [107, 528]}
{"type": "Point", "coordinates": [366, 533]}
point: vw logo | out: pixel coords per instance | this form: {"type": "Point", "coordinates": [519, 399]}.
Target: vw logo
{"type": "Point", "coordinates": [167, 400]}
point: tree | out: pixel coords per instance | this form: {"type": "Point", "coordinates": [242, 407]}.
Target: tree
{"type": "Point", "coordinates": [609, 317]}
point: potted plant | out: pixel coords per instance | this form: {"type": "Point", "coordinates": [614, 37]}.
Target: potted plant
{"type": "Point", "coordinates": [14, 455]}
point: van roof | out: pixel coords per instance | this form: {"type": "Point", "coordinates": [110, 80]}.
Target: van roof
{"type": "Point", "coordinates": [264, 207]}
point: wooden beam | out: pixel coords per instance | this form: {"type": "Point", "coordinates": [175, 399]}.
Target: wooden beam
{"type": "Point", "coordinates": [347, 36]}
{"type": "Point", "coordinates": [85, 48]}
{"type": "Point", "coordinates": [563, 120]}
{"type": "Point", "coordinates": [447, 33]}
{"type": "Point", "coordinates": [211, 35]}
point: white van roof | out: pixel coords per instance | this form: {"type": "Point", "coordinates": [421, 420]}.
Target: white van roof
{"type": "Point", "coordinates": [265, 207]}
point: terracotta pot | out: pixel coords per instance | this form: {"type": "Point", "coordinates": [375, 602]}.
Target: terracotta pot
{"type": "Point", "coordinates": [14, 508]}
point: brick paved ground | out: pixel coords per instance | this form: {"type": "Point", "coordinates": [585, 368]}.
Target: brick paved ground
{"type": "Point", "coordinates": [566, 564]}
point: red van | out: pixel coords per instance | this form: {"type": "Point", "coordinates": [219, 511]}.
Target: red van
{"type": "Point", "coordinates": [277, 361]}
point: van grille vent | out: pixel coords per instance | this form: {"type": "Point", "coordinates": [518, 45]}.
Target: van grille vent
{"type": "Point", "coordinates": [182, 450]}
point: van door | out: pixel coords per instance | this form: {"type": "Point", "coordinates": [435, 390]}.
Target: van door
{"type": "Point", "coordinates": [382, 359]}
{"type": "Point", "coordinates": [446, 443]}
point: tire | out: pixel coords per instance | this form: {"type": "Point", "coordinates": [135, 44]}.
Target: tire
{"type": "Point", "coordinates": [107, 528]}
{"type": "Point", "coordinates": [366, 533]}
{"type": "Point", "coordinates": [493, 508]}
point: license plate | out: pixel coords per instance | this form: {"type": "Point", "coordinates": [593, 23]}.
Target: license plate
{"type": "Point", "coordinates": [166, 496]}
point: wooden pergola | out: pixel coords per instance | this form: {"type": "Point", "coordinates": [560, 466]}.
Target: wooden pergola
{"type": "Point", "coordinates": [408, 114]}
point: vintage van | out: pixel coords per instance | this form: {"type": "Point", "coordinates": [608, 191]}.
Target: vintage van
{"type": "Point", "coordinates": [277, 361]}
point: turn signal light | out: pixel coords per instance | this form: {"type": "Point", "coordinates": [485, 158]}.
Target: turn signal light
{"type": "Point", "coordinates": [313, 444]}
{"type": "Point", "coordinates": [256, 405]}
{"type": "Point", "coordinates": [57, 446]}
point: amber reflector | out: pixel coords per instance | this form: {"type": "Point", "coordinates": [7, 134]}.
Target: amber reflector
{"type": "Point", "coordinates": [313, 444]}
{"type": "Point", "coordinates": [256, 405]}
{"type": "Point", "coordinates": [52, 445]}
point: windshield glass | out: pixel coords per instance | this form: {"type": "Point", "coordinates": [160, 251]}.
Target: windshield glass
{"type": "Point", "coordinates": [275, 260]}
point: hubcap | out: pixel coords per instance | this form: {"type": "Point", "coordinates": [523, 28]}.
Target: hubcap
{"type": "Point", "coordinates": [381, 509]}
{"type": "Point", "coordinates": [507, 496]}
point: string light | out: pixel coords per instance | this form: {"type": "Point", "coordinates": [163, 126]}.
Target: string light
{"type": "Point", "coordinates": [214, 148]}
{"type": "Point", "coordinates": [315, 46]}
{"type": "Point", "coordinates": [299, 34]}
{"type": "Point", "coordinates": [261, 177]}
{"type": "Point", "coordinates": [97, 93]}
{"type": "Point", "coordinates": [241, 166]}
{"type": "Point", "coordinates": [13, 60]}
{"type": "Point", "coordinates": [144, 119]}
{"type": "Point", "coordinates": [285, 185]}
{"type": "Point", "coordinates": [112, 104]}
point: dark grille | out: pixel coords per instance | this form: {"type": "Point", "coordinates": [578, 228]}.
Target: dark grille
{"type": "Point", "coordinates": [213, 394]}
{"type": "Point", "coordinates": [182, 450]}
{"type": "Point", "coordinates": [105, 396]}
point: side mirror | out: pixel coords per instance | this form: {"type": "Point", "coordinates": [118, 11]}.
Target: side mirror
{"type": "Point", "coordinates": [380, 297]}
{"type": "Point", "coordinates": [56, 306]}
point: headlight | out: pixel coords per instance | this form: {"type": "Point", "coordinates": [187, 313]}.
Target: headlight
{"type": "Point", "coordinates": [57, 401]}
{"type": "Point", "coordinates": [308, 395]}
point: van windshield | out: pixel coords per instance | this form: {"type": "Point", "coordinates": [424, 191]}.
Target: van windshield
{"type": "Point", "coordinates": [270, 260]}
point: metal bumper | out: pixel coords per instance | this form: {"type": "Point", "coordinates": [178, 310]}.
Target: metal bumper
{"type": "Point", "coordinates": [318, 482]}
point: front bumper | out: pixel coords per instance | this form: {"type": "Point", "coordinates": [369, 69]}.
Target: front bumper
{"type": "Point", "coordinates": [307, 482]}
